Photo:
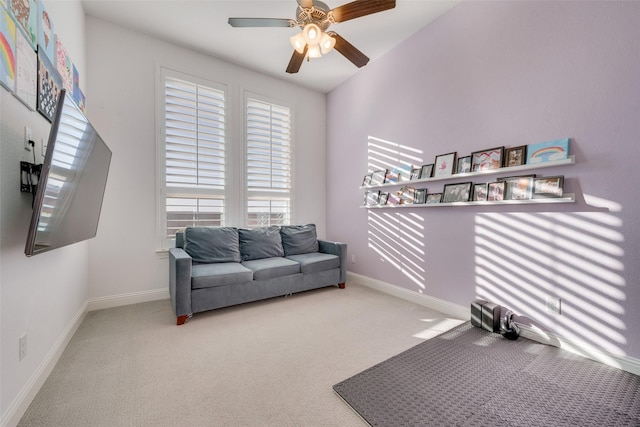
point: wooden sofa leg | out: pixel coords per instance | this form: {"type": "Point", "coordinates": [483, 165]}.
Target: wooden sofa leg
{"type": "Point", "coordinates": [342, 285]}
{"type": "Point", "coordinates": [181, 320]}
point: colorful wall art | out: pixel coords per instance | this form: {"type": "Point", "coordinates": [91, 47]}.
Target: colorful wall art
{"type": "Point", "coordinates": [7, 51]}
{"type": "Point", "coordinates": [46, 35]}
{"type": "Point", "coordinates": [548, 151]}
{"type": "Point", "coordinates": [25, 13]}
{"type": "Point", "coordinates": [64, 66]}
{"type": "Point", "coordinates": [49, 85]}
{"type": "Point", "coordinates": [26, 72]}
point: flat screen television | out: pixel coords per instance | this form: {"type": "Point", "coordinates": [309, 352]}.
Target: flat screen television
{"type": "Point", "coordinates": [68, 199]}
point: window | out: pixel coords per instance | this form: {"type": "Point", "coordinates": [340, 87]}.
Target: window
{"type": "Point", "coordinates": [193, 154]}
{"type": "Point", "coordinates": [268, 173]}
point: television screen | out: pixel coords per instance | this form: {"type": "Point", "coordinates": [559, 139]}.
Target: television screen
{"type": "Point", "coordinates": [67, 203]}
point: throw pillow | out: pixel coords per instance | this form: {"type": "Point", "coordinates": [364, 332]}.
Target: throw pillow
{"type": "Point", "coordinates": [212, 244]}
{"type": "Point", "coordinates": [299, 239]}
{"type": "Point", "coordinates": [260, 243]}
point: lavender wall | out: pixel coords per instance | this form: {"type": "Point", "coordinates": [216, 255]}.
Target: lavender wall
{"type": "Point", "coordinates": [490, 74]}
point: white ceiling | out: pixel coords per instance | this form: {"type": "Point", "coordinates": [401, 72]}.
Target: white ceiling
{"type": "Point", "coordinates": [202, 25]}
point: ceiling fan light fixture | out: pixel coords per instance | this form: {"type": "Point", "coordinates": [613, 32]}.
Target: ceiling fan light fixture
{"type": "Point", "coordinates": [327, 43]}
{"type": "Point", "coordinates": [314, 52]}
{"type": "Point", "coordinates": [312, 34]}
{"type": "Point", "coordinates": [298, 42]}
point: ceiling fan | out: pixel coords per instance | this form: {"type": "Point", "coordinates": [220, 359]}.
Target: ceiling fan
{"type": "Point", "coordinates": [315, 17]}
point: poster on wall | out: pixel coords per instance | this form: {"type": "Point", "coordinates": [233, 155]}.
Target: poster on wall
{"type": "Point", "coordinates": [46, 35]}
{"type": "Point", "coordinates": [79, 98]}
{"type": "Point", "coordinates": [64, 66]}
{"type": "Point", "coordinates": [49, 85]}
{"type": "Point", "coordinates": [26, 72]}
{"type": "Point", "coordinates": [25, 13]}
{"type": "Point", "coordinates": [7, 51]}
{"type": "Point", "coordinates": [3, 3]}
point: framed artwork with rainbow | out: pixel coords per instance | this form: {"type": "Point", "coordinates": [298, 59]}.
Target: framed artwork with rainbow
{"type": "Point", "coordinates": [548, 151]}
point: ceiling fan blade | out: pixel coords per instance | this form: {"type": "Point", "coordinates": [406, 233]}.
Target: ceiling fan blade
{"type": "Point", "coordinates": [261, 22]}
{"type": "Point", "coordinates": [296, 60]}
{"type": "Point", "coordinates": [349, 51]}
{"type": "Point", "coordinates": [359, 8]}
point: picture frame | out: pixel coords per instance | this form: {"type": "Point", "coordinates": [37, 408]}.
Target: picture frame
{"type": "Point", "coordinates": [367, 180]}
{"type": "Point", "coordinates": [433, 198]}
{"type": "Point", "coordinates": [458, 192]}
{"type": "Point", "coordinates": [393, 199]}
{"type": "Point", "coordinates": [487, 159]}
{"type": "Point", "coordinates": [371, 198]}
{"type": "Point", "coordinates": [420, 196]}
{"type": "Point", "coordinates": [551, 186]}
{"type": "Point", "coordinates": [407, 195]}
{"type": "Point", "coordinates": [480, 192]}
{"type": "Point", "coordinates": [464, 164]}
{"type": "Point", "coordinates": [548, 151]}
{"type": "Point", "coordinates": [378, 177]}
{"type": "Point", "coordinates": [426, 171]}
{"type": "Point", "coordinates": [382, 199]}
{"type": "Point", "coordinates": [495, 191]}
{"type": "Point", "coordinates": [518, 187]}
{"type": "Point", "coordinates": [392, 177]}
{"type": "Point", "coordinates": [444, 165]}
{"type": "Point", "coordinates": [515, 156]}
{"type": "Point", "coordinates": [415, 174]}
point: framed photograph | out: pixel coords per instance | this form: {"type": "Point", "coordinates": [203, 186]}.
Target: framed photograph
{"type": "Point", "coordinates": [377, 177]}
{"type": "Point", "coordinates": [548, 187]}
{"type": "Point", "coordinates": [407, 195]}
{"type": "Point", "coordinates": [464, 164]}
{"type": "Point", "coordinates": [371, 198]}
{"type": "Point", "coordinates": [480, 192]}
{"type": "Point", "coordinates": [366, 180]}
{"type": "Point", "coordinates": [393, 199]}
{"type": "Point", "coordinates": [434, 198]}
{"type": "Point", "coordinates": [460, 192]}
{"type": "Point", "coordinates": [382, 200]}
{"type": "Point", "coordinates": [548, 151]}
{"type": "Point", "coordinates": [495, 191]}
{"type": "Point", "coordinates": [392, 177]}
{"type": "Point", "coordinates": [415, 174]}
{"type": "Point", "coordinates": [518, 187]}
{"type": "Point", "coordinates": [420, 196]}
{"type": "Point", "coordinates": [444, 165]}
{"type": "Point", "coordinates": [487, 159]}
{"type": "Point", "coordinates": [515, 156]}
{"type": "Point", "coordinates": [426, 171]}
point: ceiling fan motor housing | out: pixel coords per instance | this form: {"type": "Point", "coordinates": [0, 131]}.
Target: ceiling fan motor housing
{"type": "Point", "coordinates": [317, 14]}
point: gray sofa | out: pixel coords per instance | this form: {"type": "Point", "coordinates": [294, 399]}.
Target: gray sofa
{"type": "Point", "coordinates": [215, 267]}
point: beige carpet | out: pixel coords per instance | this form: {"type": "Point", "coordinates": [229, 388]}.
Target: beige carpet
{"type": "Point", "coordinates": [271, 363]}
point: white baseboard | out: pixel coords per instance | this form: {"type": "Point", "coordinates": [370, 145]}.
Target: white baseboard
{"type": "Point", "coordinates": [100, 303]}
{"type": "Point", "coordinates": [625, 363]}
{"type": "Point", "coordinates": [19, 406]}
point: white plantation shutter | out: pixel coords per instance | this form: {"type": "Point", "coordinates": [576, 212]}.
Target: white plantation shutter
{"type": "Point", "coordinates": [194, 141]}
{"type": "Point", "coordinates": [268, 133]}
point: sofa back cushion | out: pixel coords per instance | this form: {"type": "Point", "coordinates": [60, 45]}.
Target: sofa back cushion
{"type": "Point", "coordinates": [259, 243]}
{"type": "Point", "coordinates": [299, 239]}
{"type": "Point", "coordinates": [212, 244]}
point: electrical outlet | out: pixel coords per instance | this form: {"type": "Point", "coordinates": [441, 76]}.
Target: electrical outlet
{"type": "Point", "coordinates": [22, 347]}
{"type": "Point", "coordinates": [353, 259]}
{"type": "Point", "coordinates": [27, 138]}
{"type": "Point", "coordinates": [553, 305]}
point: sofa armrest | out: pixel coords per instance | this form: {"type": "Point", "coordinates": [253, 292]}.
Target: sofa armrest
{"type": "Point", "coordinates": [180, 282]}
{"type": "Point", "coordinates": [339, 249]}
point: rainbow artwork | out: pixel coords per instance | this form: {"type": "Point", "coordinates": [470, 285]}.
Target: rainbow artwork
{"type": "Point", "coordinates": [548, 151]}
{"type": "Point", "coordinates": [7, 51]}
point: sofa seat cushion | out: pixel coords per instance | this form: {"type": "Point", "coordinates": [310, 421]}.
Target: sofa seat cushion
{"type": "Point", "coordinates": [270, 268]}
{"type": "Point", "coordinates": [219, 274]}
{"type": "Point", "coordinates": [316, 261]}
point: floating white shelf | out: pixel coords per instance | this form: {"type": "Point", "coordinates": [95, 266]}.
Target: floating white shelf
{"type": "Point", "coordinates": [567, 198]}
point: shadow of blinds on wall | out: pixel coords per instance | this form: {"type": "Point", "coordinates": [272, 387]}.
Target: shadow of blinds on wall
{"type": "Point", "coordinates": [194, 155]}
{"type": "Point", "coordinates": [268, 137]}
